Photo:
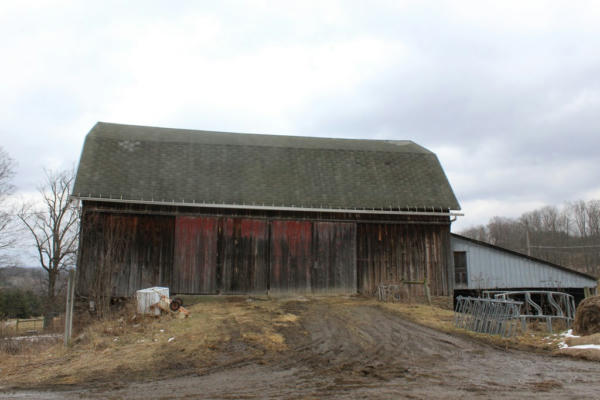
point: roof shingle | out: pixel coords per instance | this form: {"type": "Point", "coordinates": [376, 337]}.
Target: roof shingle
{"type": "Point", "coordinates": [138, 163]}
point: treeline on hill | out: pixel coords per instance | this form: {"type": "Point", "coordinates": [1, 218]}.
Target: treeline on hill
{"type": "Point", "coordinates": [20, 303]}
{"type": "Point", "coordinates": [568, 235]}
{"type": "Point", "coordinates": [23, 294]}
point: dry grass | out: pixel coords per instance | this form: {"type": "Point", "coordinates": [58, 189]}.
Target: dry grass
{"type": "Point", "coordinates": [220, 330]}
{"type": "Point", "coordinates": [442, 319]}
{"type": "Point", "coordinates": [144, 348]}
{"type": "Point", "coordinates": [15, 326]}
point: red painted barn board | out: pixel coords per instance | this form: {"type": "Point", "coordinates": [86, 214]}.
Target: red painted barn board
{"type": "Point", "coordinates": [243, 254]}
{"type": "Point", "coordinates": [291, 256]}
{"type": "Point", "coordinates": [195, 266]}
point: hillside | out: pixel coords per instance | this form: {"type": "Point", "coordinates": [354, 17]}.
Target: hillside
{"type": "Point", "coordinates": [23, 278]}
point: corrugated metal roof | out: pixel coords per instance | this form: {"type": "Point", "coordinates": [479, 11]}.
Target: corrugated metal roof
{"type": "Point", "coordinates": [493, 267]}
{"type": "Point", "coordinates": [137, 163]}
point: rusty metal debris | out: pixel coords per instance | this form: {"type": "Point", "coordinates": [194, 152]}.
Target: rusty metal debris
{"type": "Point", "coordinates": [396, 292]}
{"type": "Point", "coordinates": [171, 306]}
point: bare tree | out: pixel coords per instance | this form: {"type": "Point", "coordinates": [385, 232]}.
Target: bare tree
{"type": "Point", "coordinates": [478, 232]}
{"type": "Point", "coordinates": [579, 213]}
{"type": "Point", "coordinates": [54, 226]}
{"type": "Point", "coordinates": [593, 217]}
{"type": "Point", "coordinates": [7, 228]}
{"type": "Point", "coordinates": [566, 235]}
{"type": "Point", "coordinates": [506, 232]}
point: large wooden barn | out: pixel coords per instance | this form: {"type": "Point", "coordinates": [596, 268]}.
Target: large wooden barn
{"type": "Point", "coordinates": [212, 212]}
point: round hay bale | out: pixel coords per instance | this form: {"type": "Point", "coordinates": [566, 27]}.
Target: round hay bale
{"type": "Point", "coordinates": [587, 317]}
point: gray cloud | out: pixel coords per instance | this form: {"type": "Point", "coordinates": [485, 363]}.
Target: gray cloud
{"type": "Point", "coordinates": [506, 93]}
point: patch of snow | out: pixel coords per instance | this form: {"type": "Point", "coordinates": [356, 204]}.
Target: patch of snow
{"type": "Point", "coordinates": [34, 338]}
{"type": "Point", "coordinates": [584, 346]}
{"type": "Point", "coordinates": [563, 345]}
{"type": "Point", "coordinates": [568, 333]}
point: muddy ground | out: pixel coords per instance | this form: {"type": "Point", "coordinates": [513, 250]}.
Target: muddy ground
{"type": "Point", "coordinates": [348, 350]}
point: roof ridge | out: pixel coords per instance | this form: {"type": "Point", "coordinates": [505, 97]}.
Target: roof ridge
{"type": "Point", "coordinates": [154, 133]}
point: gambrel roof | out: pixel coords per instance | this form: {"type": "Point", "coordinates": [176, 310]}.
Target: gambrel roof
{"type": "Point", "coordinates": [177, 166]}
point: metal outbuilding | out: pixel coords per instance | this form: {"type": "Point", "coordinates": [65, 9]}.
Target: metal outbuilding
{"type": "Point", "coordinates": [479, 266]}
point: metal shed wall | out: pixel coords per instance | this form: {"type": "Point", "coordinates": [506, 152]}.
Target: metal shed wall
{"type": "Point", "coordinates": [493, 268]}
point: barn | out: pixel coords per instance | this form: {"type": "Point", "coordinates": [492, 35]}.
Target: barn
{"type": "Point", "coordinates": [213, 212]}
{"type": "Point", "coordinates": [480, 266]}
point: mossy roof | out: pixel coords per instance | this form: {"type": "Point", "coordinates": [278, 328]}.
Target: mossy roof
{"type": "Point", "coordinates": [162, 165]}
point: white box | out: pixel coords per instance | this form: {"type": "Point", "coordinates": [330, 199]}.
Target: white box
{"type": "Point", "coordinates": [147, 297]}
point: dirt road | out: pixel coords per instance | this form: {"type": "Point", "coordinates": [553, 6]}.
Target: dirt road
{"type": "Point", "coordinates": [362, 351]}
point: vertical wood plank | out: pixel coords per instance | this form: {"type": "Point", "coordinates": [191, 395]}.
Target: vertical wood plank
{"type": "Point", "coordinates": [154, 248]}
{"type": "Point", "coordinates": [244, 255]}
{"type": "Point", "coordinates": [390, 253]}
{"type": "Point", "coordinates": [334, 265]}
{"type": "Point", "coordinates": [195, 264]}
{"type": "Point", "coordinates": [291, 256]}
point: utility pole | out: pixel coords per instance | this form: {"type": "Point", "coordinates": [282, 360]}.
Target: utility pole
{"type": "Point", "coordinates": [527, 241]}
{"type": "Point", "coordinates": [69, 306]}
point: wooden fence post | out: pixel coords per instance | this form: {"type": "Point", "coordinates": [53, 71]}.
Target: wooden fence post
{"type": "Point", "coordinates": [69, 306]}
{"type": "Point", "coordinates": [427, 293]}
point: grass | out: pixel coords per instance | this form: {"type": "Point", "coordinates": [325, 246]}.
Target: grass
{"type": "Point", "coordinates": [442, 319]}
{"type": "Point", "coordinates": [18, 326]}
{"type": "Point", "coordinates": [128, 346]}
{"type": "Point", "coordinates": [220, 330]}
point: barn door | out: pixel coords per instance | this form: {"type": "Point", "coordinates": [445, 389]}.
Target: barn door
{"type": "Point", "coordinates": [243, 255]}
{"type": "Point", "coordinates": [313, 257]}
{"type": "Point", "coordinates": [195, 266]}
{"type": "Point", "coordinates": [334, 266]}
{"type": "Point", "coordinates": [291, 256]}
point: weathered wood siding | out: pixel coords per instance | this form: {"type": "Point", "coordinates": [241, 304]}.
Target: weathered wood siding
{"type": "Point", "coordinates": [394, 253]}
{"type": "Point", "coordinates": [203, 254]}
{"type": "Point", "coordinates": [243, 265]}
{"type": "Point", "coordinates": [136, 251]}
{"type": "Point", "coordinates": [313, 257]}
{"type": "Point", "coordinates": [291, 256]}
{"type": "Point", "coordinates": [153, 253]}
{"type": "Point", "coordinates": [195, 267]}
{"type": "Point", "coordinates": [334, 265]}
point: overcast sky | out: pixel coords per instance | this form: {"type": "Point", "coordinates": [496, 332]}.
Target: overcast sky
{"type": "Point", "coordinates": [506, 93]}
